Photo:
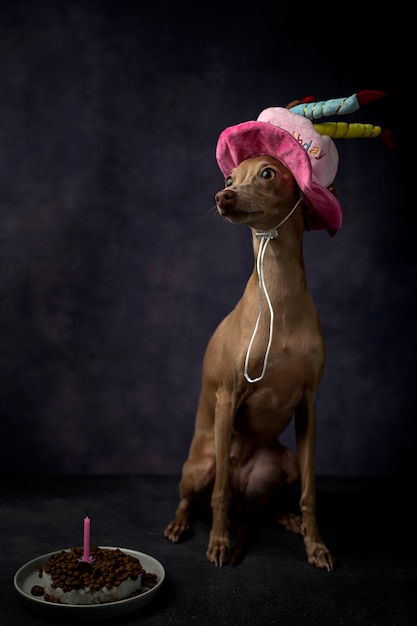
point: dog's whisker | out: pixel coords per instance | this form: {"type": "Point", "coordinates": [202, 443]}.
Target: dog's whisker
{"type": "Point", "coordinates": [212, 212]}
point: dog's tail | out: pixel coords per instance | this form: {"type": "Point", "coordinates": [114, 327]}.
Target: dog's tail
{"type": "Point", "coordinates": [244, 535]}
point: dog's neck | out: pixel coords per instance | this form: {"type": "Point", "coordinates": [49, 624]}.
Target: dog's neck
{"type": "Point", "coordinates": [273, 232]}
{"type": "Point", "coordinates": [279, 270]}
{"type": "Point", "coordinates": [278, 281]}
{"type": "Point", "coordinates": [281, 247]}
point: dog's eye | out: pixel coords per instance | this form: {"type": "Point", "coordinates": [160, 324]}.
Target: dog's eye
{"type": "Point", "coordinates": [228, 182]}
{"type": "Point", "coordinates": [268, 173]}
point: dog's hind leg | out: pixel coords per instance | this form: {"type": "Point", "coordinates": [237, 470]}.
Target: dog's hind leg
{"type": "Point", "coordinates": [180, 525]}
{"type": "Point", "coordinates": [291, 522]}
{"type": "Point", "coordinates": [196, 481]}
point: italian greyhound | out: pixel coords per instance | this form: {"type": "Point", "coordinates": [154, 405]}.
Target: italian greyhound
{"type": "Point", "coordinates": [262, 368]}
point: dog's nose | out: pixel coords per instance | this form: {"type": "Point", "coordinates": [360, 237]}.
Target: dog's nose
{"type": "Point", "coordinates": [225, 197]}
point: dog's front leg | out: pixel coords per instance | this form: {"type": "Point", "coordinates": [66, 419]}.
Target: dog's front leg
{"type": "Point", "coordinates": [305, 428]}
{"type": "Point", "coordinates": [218, 548]}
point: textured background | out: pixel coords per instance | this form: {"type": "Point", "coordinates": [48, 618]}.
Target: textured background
{"type": "Point", "coordinates": [114, 271]}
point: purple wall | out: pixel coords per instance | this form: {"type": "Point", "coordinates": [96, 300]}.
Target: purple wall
{"type": "Point", "coordinates": [114, 269]}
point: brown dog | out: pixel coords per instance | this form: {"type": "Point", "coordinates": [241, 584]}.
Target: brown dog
{"type": "Point", "coordinates": [262, 366]}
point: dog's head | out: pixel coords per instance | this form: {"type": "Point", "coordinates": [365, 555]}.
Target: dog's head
{"type": "Point", "coordinates": [306, 148]}
{"type": "Point", "coordinates": [311, 158]}
{"type": "Point", "coordinates": [260, 193]}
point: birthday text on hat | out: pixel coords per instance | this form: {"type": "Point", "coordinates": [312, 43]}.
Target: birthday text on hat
{"type": "Point", "coordinates": [315, 151]}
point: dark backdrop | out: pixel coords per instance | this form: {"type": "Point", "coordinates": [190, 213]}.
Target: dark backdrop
{"type": "Point", "coordinates": [114, 269]}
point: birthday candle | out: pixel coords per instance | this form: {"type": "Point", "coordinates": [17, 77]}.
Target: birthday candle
{"type": "Point", "coordinates": [336, 106]}
{"type": "Point", "coordinates": [340, 130]}
{"type": "Point", "coordinates": [86, 554]}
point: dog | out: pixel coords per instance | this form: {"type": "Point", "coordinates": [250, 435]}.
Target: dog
{"type": "Point", "coordinates": [261, 369]}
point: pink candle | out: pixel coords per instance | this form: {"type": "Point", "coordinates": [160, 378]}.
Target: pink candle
{"type": "Point", "coordinates": [86, 554]}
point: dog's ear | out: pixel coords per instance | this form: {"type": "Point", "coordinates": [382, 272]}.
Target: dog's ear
{"type": "Point", "coordinates": [332, 189]}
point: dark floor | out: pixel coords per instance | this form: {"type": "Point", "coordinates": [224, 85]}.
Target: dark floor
{"type": "Point", "coordinates": [366, 523]}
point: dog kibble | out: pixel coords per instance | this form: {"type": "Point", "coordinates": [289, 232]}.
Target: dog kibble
{"type": "Point", "coordinates": [109, 569]}
{"type": "Point", "coordinates": [67, 572]}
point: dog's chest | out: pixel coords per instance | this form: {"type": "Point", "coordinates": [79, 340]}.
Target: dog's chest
{"type": "Point", "coordinates": [266, 412]}
{"type": "Point", "coordinates": [294, 360]}
{"type": "Point", "coordinates": [269, 404]}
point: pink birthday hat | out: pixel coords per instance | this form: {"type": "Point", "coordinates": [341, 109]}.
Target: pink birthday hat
{"type": "Point", "coordinates": [311, 156]}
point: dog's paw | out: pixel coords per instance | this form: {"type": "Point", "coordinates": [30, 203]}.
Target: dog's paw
{"type": "Point", "coordinates": [218, 552]}
{"type": "Point", "coordinates": [319, 556]}
{"type": "Point", "coordinates": [176, 530]}
{"type": "Point", "coordinates": [291, 522]}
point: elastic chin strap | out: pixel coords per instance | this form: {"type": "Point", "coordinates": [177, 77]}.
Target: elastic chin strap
{"type": "Point", "coordinates": [273, 233]}
{"type": "Point", "coordinates": [265, 236]}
